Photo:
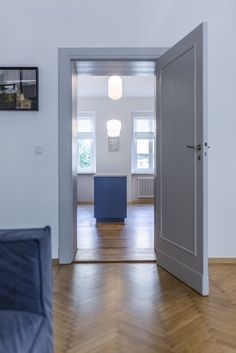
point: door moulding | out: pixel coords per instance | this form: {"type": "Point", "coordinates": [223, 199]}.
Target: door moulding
{"type": "Point", "coordinates": [66, 59]}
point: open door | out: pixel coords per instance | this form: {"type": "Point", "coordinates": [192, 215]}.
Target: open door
{"type": "Point", "coordinates": [181, 189]}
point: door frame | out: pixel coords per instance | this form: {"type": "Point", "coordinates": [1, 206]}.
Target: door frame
{"type": "Point", "coordinates": [67, 189]}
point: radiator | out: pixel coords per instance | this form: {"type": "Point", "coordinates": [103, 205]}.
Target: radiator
{"type": "Point", "coordinates": [145, 187]}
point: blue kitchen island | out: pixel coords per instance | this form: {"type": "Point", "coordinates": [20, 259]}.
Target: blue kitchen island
{"type": "Point", "coordinates": [110, 198]}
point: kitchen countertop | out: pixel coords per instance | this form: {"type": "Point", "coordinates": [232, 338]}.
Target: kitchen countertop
{"type": "Point", "coordinates": [110, 175]}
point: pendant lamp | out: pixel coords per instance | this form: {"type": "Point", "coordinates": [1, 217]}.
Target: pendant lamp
{"type": "Point", "coordinates": [115, 87]}
{"type": "Point", "coordinates": [113, 128]}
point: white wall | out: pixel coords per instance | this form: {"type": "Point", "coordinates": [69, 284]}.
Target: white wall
{"type": "Point", "coordinates": [85, 188]}
{"type": "Point", "coordinates": [29, 183]}
{"type": "Point", "coordinates": [112, 162]}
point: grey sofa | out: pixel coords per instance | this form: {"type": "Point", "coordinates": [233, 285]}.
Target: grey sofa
{"type": "Point", "coordinates": [25, 291]}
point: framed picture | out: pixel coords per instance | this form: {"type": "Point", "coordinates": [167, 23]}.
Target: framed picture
{"type": "Point", "coordinates": [19, 88]}
{"type": "Point", "coordinates": [113, 144]}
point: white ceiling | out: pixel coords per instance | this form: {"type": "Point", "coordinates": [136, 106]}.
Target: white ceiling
{"type": "Point", "coordinates": [133, 86]}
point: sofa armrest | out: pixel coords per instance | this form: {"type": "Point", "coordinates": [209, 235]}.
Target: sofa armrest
{"type": "Point", "coordinates": [26, 274]}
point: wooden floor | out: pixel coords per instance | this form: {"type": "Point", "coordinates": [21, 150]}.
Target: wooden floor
{"type": "Point", "coordinates": [109, 242]}
{"type": "Point", "coordinates": [139, 308]}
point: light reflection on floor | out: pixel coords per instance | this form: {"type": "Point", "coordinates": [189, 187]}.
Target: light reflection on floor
{"type": "Point", "coordinates": [137, 232]}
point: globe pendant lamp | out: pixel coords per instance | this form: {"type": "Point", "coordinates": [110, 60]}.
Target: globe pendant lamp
{"type": "Point", "coordinates": [115, 87]}
{"type": "Point", "coordinates": [113, 128]}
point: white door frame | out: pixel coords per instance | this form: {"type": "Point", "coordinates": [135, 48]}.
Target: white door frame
{"type": "Point", "coordinates": [67, 188]}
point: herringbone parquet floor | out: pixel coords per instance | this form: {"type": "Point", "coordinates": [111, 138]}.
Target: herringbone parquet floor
{"type": "Point", "coordinates": [107, 242]}
{"type": "Point", "coordinates": [139, 308]}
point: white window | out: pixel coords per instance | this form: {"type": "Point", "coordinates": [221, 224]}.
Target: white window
{"type": "Point", "coordinates": [143, 143]}
{"type": "Point", "coordinates": [86, 142]}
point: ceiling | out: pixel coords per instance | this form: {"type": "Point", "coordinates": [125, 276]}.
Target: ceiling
{"type": "Point", "coordinates": [133, 86]}
{"type": "Point", "coordinates": [114, 67]}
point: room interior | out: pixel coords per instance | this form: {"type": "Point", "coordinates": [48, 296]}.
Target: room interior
{"type": "Point", "coordinates": [132, 239]}
{"type": "Point", "coordinates": [115, 307]}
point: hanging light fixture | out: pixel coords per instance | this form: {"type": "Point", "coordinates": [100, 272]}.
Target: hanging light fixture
{"type": "Point", "coordinates": [115, 93]}
{"type": "Point", "coordinates": [113, 128]}
{"type": "Point", "coordinates": [115, 87]}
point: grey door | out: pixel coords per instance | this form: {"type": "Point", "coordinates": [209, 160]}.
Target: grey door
{"type": "Point", "coordinates": [181, 193]}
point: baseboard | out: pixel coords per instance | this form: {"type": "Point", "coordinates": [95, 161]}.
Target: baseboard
{"type": "Point", "coordinates": [222, 260]}
{"type": "Point", "coordinates": [142, 201]}
{"type": "Point", "coordinates": [211, 260]}
{"type": "Point", "coordinates": [85, 203]}
{"type": "Point", "coordinates": [134, 202]}
{"type": "Point", "coordinates": [55, 262]}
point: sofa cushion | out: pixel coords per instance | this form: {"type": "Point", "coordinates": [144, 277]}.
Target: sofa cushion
{"type": "Point", "coordinates": [18, 331]}
{"type": "Point", "coordinates": [20, 279]}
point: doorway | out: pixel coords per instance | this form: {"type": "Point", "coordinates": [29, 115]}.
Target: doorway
{"type": "Point", "coordinates": [145, 60]}
{"type": "Point", "coordinates": [181, 211]}
{"type": "Point", "coordinates": [133, 157]}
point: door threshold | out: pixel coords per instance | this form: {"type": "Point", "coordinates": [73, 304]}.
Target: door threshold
{"type": "Point", "coordinates": [110, 255]}
{"type": "Point", "coordinates": [77, 261]}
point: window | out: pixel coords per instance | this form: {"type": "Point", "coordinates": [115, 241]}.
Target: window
{"type": "Point", "coordinates": [143, 143]}
{"type": "Point", "coordinates": [86, 142]}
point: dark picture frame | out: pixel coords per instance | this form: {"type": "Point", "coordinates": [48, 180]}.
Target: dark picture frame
{"type": "Point", "coordinates": [19, 89]}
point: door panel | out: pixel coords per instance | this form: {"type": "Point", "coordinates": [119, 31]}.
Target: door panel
{"type": "Point", "coordinates": [178, 163]}
{"type": "Point", "coordinates": [181, 238]}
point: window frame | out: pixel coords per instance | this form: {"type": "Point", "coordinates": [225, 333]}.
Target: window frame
{"type": "Point", "coordinates": [151, 148]}
{"type": "Point", "coordinates": [92, 116]}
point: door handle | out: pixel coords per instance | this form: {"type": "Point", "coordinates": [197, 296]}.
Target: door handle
{"type": "Point", "coordinates": [196, 147]}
